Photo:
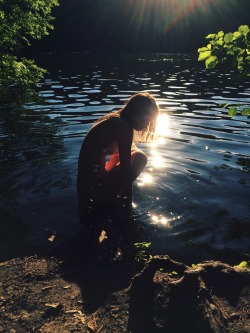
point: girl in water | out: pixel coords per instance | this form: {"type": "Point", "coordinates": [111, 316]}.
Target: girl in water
{"type": "Point", "coordinates": [109, 161]}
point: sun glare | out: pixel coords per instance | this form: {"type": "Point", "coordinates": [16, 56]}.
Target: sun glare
{"type": "Point", "coordinates": [157, 160]}
{"type": "Point", "coordinates": [183, 8]}
{"type": "Point", "coordinates": [162, 126]}
{"type": "Point", "coordinates": [173, 13]}
{"type": "Point", "coordinates": [162, 131]}
{"type": "Point", "coordinates": [145, 179]}
{"type": "Point", "coordinates": [164, 220]}
{"type": "Point", "coordinates": [161, 220]}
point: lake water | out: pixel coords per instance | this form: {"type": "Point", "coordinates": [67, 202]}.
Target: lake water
{"type": "Point", "coordinates": [192, 200]}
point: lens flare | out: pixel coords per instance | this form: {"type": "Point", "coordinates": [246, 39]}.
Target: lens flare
{"type": "Point", "coordinates": [172, 13]}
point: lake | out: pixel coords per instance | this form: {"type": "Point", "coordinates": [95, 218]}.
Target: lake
{"type": "Point", "coordinates": [192, 200]}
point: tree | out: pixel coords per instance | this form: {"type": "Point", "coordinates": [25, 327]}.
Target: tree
{"type": "Point", "coordinates": [232, 49]}
{"type": "Point", "coordinates": [22, 21]}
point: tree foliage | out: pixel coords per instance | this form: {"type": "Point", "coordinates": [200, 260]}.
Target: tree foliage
{"type": "Point", "coordinates": [232, 48]}
{"type": "Point", "coordinates": [22, 21]}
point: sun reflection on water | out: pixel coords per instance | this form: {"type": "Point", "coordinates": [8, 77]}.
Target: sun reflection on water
{"type": "Point", "coordinates": [163, 220]}
{"type": "Point", "coordinates": [145, 179]}
{"type": "Point", "coordinates": [162, 131]}
{"type": "Point", "coordinates": [157, 161]}
{"type": "Point", "coordinates": [159, 219]}
{"type": "Point", "coordinates": [162, 128]}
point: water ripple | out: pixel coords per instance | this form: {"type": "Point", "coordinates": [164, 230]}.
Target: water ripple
{"type": "Point", "coordinates": [195, 187]}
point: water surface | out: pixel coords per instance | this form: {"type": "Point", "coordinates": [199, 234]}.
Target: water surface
{"type": "Point", "coordinates": [193, 196]}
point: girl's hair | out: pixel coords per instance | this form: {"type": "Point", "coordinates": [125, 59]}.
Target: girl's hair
{"type": "Point", "coordinates": [139, 104]}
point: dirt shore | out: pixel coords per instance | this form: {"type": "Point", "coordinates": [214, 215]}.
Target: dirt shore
{"type": "Point", "coordinates": [94, 294]}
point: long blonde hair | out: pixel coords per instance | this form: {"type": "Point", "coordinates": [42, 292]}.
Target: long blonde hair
{"type": "Point", "coordinates": [140, 103]}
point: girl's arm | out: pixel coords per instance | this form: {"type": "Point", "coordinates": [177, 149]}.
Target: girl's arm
{"type": "Point", "coordinates": [113, 161]}
{"type": "Point", "coordinates": [124, 146]}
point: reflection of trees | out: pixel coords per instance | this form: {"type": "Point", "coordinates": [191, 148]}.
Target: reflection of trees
{"type": "Point", "coordinates": [28, 141]}
{"type": "Point", "coordinates": [30, 151]}
{"type": "Point", "coordinates": [15, 97]}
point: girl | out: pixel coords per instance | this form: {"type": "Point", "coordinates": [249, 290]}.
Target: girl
{"type": "Point", "coordinates": [109, 161]}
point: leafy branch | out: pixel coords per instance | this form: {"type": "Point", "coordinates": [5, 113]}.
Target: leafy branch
{"type": "Point", "coordinates": [232, 48]}
{"type": "Point", "coordinates": [21, 21]}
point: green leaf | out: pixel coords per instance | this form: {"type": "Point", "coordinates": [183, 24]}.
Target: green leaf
{"type": "Point", "coordinates": [245, 112]}
{"type": "Point", "coordinates": [211, 62]}
{"type": "Point", "coordinates": [243, 29]}
{"type": "Point", "coordinates": [236, 35]}
{"type": "Point", "coordinates": [220, 42]}
{"type": "Point", "coordinates": [202, 49]}
{"type": "Point", "coordinates": [220, 34]}
{"type": "Point", "coordinates": [232, 112]}
{"type": "Point", "coordinates": [243, 264]}
{"type": "Point", "coordinates": [228, 38]}
{"type": "Point", "coordinates": [210, 36]}
{"type": "Point", "coordinates": [142, 244]}
{"type": "Point", "coordinates": [204, 55]}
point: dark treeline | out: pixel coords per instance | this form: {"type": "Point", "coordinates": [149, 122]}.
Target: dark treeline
{"type": "Point", "coordinates": [141, 25]}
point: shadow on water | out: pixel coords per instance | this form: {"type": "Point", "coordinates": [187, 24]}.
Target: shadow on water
{"type": "Point", "coordinates": [29, 147]}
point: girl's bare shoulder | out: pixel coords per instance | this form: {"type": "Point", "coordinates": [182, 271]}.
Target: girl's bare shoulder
{"type": "Point", "coordinates": [115, 124]}
{"type": "Point", "coordinates": [120, 123]}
